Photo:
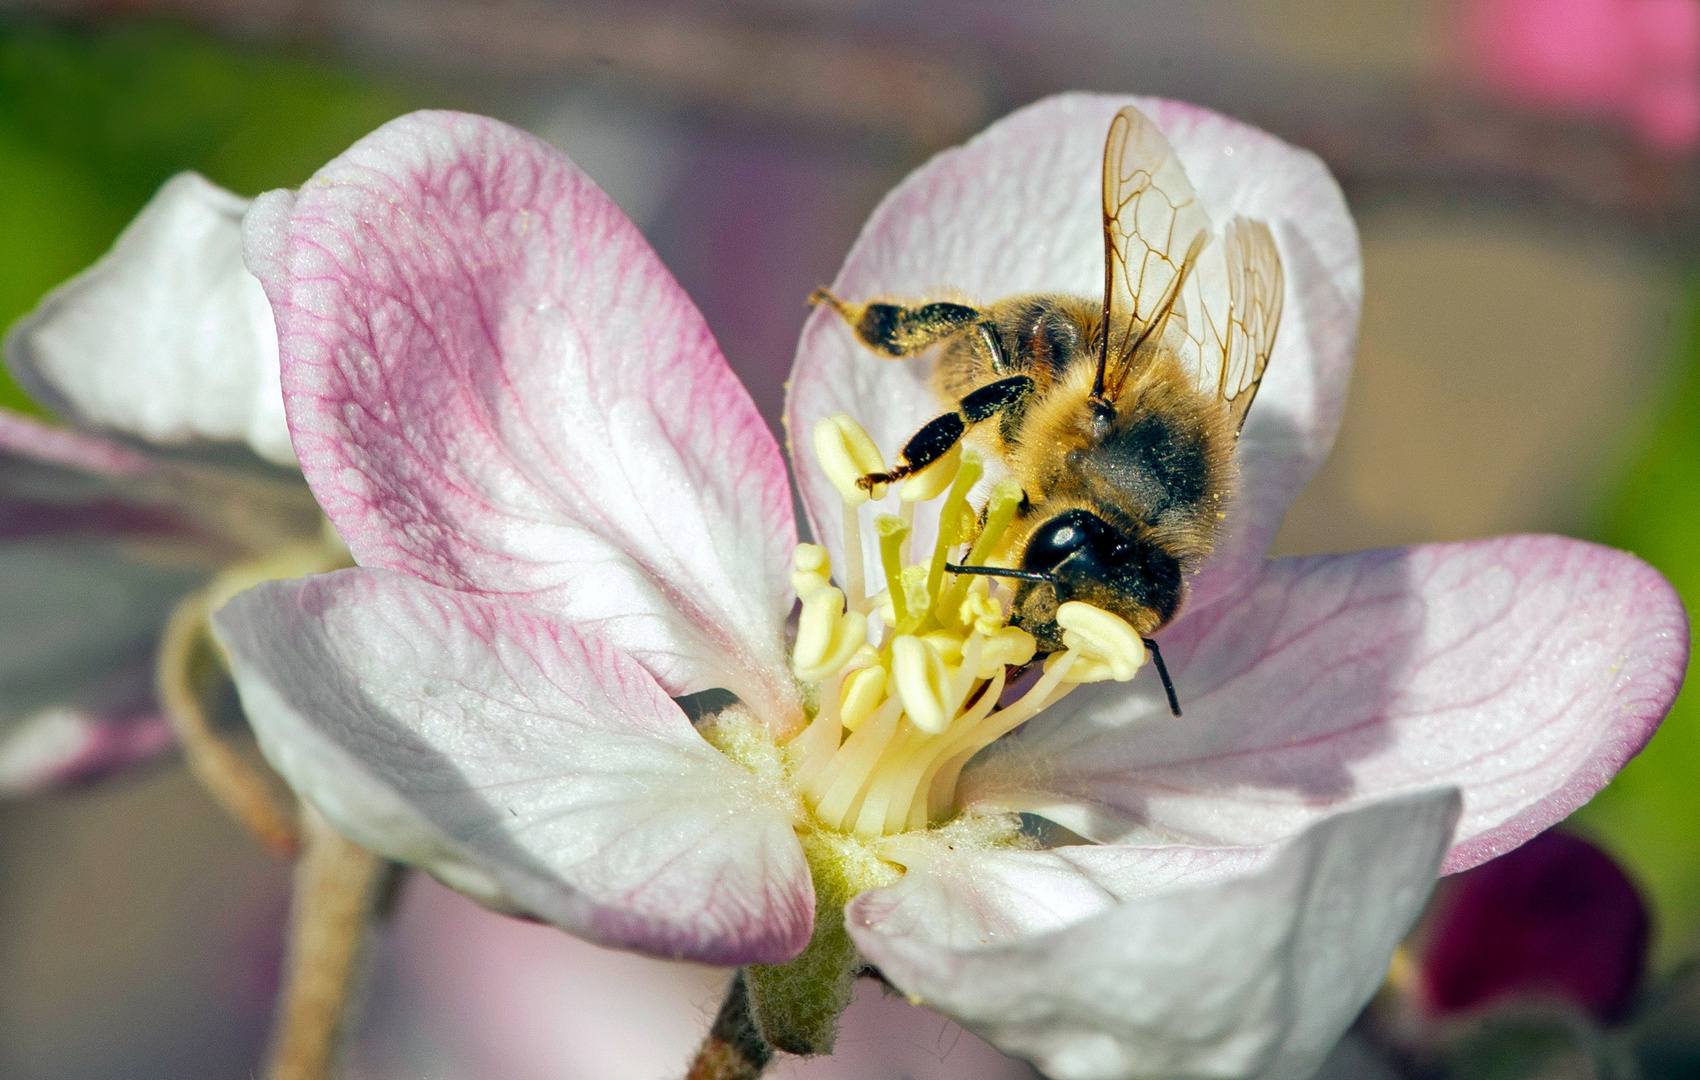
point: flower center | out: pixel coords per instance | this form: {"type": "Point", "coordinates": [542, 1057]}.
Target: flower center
{"type": "Point", "coordinates": [910, 681]}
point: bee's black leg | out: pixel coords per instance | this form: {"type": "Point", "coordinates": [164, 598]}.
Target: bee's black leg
{"type": "Point", "coordinates": [939, 434]}
{"type": "Point", "coordinates": [1163, 673]}
{"type": "Point", "coordinates": [895, 330]}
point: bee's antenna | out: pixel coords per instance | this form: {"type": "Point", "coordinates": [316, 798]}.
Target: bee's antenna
{"type": "Point", "coordinates": [998, 571]}
{"type": "Point", "coordinates": [1163, 673]}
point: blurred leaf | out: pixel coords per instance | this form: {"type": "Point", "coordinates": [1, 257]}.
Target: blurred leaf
{"type": "Point", "coordinates": [1535, 1042]}
{"type": "Point", "coordinates": [1649, 817]}
{"type": "Point", "coordinates": [91, 123]}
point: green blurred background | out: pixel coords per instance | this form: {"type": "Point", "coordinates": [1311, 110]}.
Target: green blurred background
{"type": "Point", "coordinates": [1530, 360]}
{"type": "Point", "coordinates": [93, 123]}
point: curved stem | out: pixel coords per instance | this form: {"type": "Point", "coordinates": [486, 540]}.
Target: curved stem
{"type": "Point", "coordinates": [339, 890]}
{"type": "Point", "coordinates": [231, 780]}
{"type": "Point", "coordinates": [734, 1048]}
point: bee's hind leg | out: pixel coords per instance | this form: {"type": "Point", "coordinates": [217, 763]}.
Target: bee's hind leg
{"type": "Point", "coordinates": [896, 331]}
{"type": "Point", "coordinates": [939, 434]}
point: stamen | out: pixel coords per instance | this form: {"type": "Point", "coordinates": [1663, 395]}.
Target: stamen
{"type": "Point", "coordinates": [1001, 508]}
{"type": "Point", "coordinates": [827, 635]}
{"type": "Point", "coordinates": [922, 681]}
{"type": "Point", "coordinates": [1104, 639]}
{"type": "Point", "coordinates": [930, 482]}
{"type": "Point", "coordinates": [810, 569]}
{"type": "Point", "coordinates": [891, 532]}
{"type": "Point", "coordinates": [846, 454]}
{"type": "Point", "coordinates": [863, 692]}
{"type": "Point", "coordinates": [902, 715]}
{"type": "Point", "coordinates": [954, 518]}
{"type": "Point", "coordinates": [855, 577]}
{"type": "Point", "coordinates": [1006, 499]}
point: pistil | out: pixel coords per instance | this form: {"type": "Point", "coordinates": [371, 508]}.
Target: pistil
{"type": "Point", "coordinates": [910, 682]}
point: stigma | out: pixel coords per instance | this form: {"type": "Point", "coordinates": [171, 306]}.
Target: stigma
{"type": "Point", "coordinates": [912, 682]}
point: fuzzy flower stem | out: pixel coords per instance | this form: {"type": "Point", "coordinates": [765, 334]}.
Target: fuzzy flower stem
{"type": "Point", "coordinates": [233, 783]}
{"type": "Point", "coordinates": [340, 890]}
{"type": "Point", "coordinates": [734, 1048]}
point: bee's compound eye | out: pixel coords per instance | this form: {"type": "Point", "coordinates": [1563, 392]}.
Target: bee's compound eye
{"type": "Point", "coordinates": [1069, 532]}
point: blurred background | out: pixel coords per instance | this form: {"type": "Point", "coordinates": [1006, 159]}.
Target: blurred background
{"type": "Point", "coordinates": [1526, 177]}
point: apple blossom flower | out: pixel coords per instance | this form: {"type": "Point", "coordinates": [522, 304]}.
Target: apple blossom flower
{"type": "Point", "coordinates": [176, 466]}
{"type": "Point", "coordinates": [561, 677]}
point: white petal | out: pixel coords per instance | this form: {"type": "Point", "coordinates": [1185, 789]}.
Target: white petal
{"type": "Point", "coordinates": [167, 337]}
{"type": "Point", "coordinates": [1257, 976]}
{"type": "Point", "coordinates": [520, 762]}
{"type": "Point", "coordinates": [1525, 670]}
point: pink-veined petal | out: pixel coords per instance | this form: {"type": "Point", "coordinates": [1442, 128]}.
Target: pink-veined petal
{"type": "Point", "coordinates": [1525, 670]}
{"type": "Point", "coordinates": [167, 337]}
{"type": "Point", "coordinates": [1018, 209]}
{"type": "Point", "coordinates": [1256, 975]}
{"type": "Point", "coordinates": [495, 385]}
{"type": "Point", "coordinates": [520, 761]}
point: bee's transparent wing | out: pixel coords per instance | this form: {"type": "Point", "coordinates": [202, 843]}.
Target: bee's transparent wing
{"type": "Point", "coordinates": [1154, 227]}
{"type": "Point", "coordinates": [1229, 309]}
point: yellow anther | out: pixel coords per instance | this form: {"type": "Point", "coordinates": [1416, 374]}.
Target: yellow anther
{"type": "Point", "coordinates": [881, 602]}
{"type": "Point", "coordinates": [846, 454]}
{"type": "Point", "coordinates": [810, 569]}
{"type": "Point", "coordinates": [863, 692]}
{"type": "Point", "coordinates": [865, 657]}
{"type": "Point", "coordinates": [1007, 645]}
{"type": "Point", "coordinates": [827, 637]}
{"type": "Point", "coordinates": [947, 644]}
{"type": "Point", "coordinates": [978, 610]}
{"type": "Point", "coordinates": [922, 682]}
{"type": "Point", "coordinates": [932, 481]}
{"type": "Point", "coordinates": [1085, 669]}
{"type": "Point", "coordinates": [1100, 637]}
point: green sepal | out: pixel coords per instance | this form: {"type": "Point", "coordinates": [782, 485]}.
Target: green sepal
{"type": "Point", "coordinates": [796, 1005]}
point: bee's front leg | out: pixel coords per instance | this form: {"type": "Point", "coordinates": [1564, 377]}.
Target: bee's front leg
{"type": "Point", "coordinates": [939, 434]}
{"type": "Point", "coordinates": [897, 330]}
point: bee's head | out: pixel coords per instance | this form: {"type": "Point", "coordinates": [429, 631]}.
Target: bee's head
{"type": "Point", "coordinates": [1083, 557]}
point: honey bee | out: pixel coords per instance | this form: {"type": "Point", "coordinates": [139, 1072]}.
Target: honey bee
{"type": "Point", "coordinates": [1117, 418]}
